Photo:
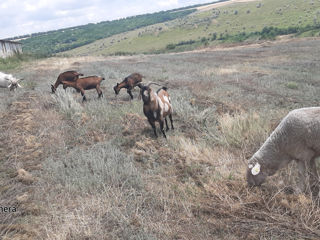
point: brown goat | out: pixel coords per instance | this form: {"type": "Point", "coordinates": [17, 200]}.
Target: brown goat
{"type": "Point", "coordinates": [70, 76]}
{"type": "Point", "coordinates": [129, 83]}
{"type": "Point", "coordinates": [156, 107]}
{"type": "Point", "coordinates": [85, 83]}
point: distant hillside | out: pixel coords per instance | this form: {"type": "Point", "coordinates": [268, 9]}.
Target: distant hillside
{"type": "Point", "coordinates": [69, 38]}
{"type": "Point", "coordinates": [232, 21]}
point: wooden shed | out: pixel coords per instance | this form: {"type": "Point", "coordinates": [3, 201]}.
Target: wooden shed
{"type": "Point", "coordinates": [9, 48]}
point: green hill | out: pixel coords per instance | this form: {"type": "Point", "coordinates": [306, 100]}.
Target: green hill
{"type": "Point", "coordinates": [233, 22]}
{"type": "Point", "coordinates": [69, 38]}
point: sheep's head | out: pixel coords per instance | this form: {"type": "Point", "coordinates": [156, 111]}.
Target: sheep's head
{"type": "Point", "coordinates": [256, 174]}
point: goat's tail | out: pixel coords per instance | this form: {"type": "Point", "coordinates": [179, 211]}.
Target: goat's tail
{"type": "Point", "coordinates": [103, 79]}
{"type": "Point", "coordinates": [80, 74]}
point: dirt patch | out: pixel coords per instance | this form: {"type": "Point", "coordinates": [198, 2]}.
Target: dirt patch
{"type": "Point", "coordinates": [20, 156]}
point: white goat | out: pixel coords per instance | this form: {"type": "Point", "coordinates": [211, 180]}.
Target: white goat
{"type": "Point", "coordinates": [8, 81]}
{"type": "Point", "coordinates": [296, 138]}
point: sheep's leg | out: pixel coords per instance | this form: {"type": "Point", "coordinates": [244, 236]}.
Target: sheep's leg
{"type": "Point", "coordinates": [129, 92]}
{"type": "Point", "coordinates": [314, 177]}
{"type": "Point", "coordinates": [170, 117]}
{"type": "Point", "coordinates": [152, 123]}
{"type": "Point", "coordinates": [302, 176]}
{"type": "Point", "coordinates": [162, 128]}
{"type": "Point", "coordinates": [167, 127]}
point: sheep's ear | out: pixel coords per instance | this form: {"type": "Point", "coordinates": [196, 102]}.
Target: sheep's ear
{"type": "Point", "coordinates": [256, 169]}
{"type": "Point", "coordinates": [10, 85]}
{"type": "Point", "coordinates": [19, 85]}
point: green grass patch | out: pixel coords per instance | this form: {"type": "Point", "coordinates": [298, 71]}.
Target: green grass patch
{"type": "Point", "coordinates": [15, 61]}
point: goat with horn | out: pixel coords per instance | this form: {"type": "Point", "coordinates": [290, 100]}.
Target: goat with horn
{"type": "Point", "coordinates": [8, 81]}
{"type": "Point", "coordinates": [156, 106]}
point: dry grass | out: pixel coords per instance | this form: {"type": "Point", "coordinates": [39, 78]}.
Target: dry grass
{"type": "Point", "coordinates": [95, 170]}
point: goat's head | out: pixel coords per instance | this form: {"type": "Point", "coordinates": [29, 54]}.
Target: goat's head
{"type": "Point", "coordinates": [14, 83]}
{"type": "Point", "coordinates": [53, 89]}
{"type": "Point", "coordinates": [256, 174]}
{"type": "Point", "coordinates": [145, 91]}
{"type": "Point", "coordinates": [116, 89]}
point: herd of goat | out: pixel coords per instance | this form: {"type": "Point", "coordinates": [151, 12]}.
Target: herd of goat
{"type": "Point", "coordinates": [297, 137]}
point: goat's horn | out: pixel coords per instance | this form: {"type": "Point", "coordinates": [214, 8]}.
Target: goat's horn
{"type": "Point", "coordinates": [154, 84]}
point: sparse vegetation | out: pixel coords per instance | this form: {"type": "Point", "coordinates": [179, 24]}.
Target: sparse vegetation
{"type": "Point", "coordinates": [95, 170]}
{"type": "Point", "coordinates": [107, 176]}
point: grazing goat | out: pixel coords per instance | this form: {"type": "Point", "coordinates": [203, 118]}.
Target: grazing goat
{"type": "Point", "coordinates": [8, 81]}
{"type": "Point", "coordinates": [85, 83]}
{"type": "Point", "coordinates": [70, 76]}
{"type": "Point", "coordinates": [156, 106]}
{"type": "Point", "coordinates": [297, 137]}
{"type": "Point", "coordinates": [129, 83]}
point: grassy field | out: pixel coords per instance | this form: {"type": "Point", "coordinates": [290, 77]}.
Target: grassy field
{"type": "Point", "coordinates": [228, 20]}
{"type": "Point", "coordinates": [95, 170]}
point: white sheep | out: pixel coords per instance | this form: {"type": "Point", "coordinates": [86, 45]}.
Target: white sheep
{"type": "Point", "coordinates": [296, 138]}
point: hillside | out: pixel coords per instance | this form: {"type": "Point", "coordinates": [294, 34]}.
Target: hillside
{"type": "Point", "coordinates": [64, 39]}
{"type": "Point", "coordinates": [231, 21]}
{"type": "Point", "coordinates": [94, 170]}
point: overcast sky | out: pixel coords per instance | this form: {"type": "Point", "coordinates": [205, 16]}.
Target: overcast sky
{"type": "Point", "coordinates": [19, 17]}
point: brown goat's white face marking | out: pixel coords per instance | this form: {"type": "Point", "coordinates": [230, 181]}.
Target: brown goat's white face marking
{"type": "Point", "coordinates": [146, 93]}
{"type": "Point", "coordinates": [155, 114]}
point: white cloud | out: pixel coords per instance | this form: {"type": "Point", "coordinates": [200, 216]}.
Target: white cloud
{"type": "Point", "coordinates": [166, 3]}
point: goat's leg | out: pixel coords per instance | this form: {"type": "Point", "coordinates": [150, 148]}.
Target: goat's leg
{"type": "Point", "coordinates": [99, 91]}
{"type": "Point", "coordinates": [153, 125]}
{"type": "Point", "coordinates": [170, 117]}
{"type": "Point", "coordinates": [83, 96]}
{"type": "Point", "coordinates": [167, 127]}
{"type": "Point", "coordinates": [161, 128]}
{"type": "Point", "coordinates": [129, 92]}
